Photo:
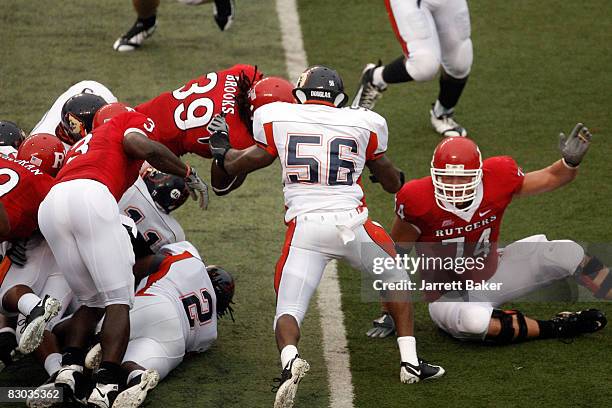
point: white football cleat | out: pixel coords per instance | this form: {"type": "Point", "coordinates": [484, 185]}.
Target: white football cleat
{"type": "Point", "coordinates": [94, 357]}
{"type": "Point", "coordinates": [368, 93]}
{"type": "Point", "coordinates": [36, 322]}
{"type": "Point", "coordinates": [135, 395]}
{"type": "Point", "coordinates": [446, 125]}
{"type": "Point", "coordinates": [290, 378]}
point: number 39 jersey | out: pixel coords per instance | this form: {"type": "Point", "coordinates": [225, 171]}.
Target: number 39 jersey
{"type": "Point", "coordinates": [182, 115]}
{"type": "Point", "coordinates": [472, 234]}
{"type": "Point", "coordinates": [322, 150]}
{"type": "Point", "coordinates": [182, 278]}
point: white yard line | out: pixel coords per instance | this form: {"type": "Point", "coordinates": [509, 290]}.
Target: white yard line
{"type": "Point", "coordinates": [335, 349]}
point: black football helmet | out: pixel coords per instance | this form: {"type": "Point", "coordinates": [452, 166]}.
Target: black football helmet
{"type": "Point", "coordinates": [168, 191]}
{"type": "Point", "coordinates": [11, 134]}
{"type": "Point", "coordinates": [77, 116]}
{"type": "Point", "coordinates": [223, 283]}
{"type": "Point", "coordinates": [320, 83]}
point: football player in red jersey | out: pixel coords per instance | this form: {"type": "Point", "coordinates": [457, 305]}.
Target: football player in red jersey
{"type": "Point", "coordinates": [457, 212]}
{"type": "Point", "coordinates": [80, 220]}
{"type": "Point", "coordinates": [183, 117]}
{"type": "Point", "coordinates": [24, 185]}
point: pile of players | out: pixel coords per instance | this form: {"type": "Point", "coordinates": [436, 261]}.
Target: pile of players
{"type": "Point", "coordinates": [110, 296]}
{"type": "Point", "coordinates": [97, 178]}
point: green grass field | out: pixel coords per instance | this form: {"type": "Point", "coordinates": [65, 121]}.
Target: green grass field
{"type": "Point", "coordinates": [539, 67]}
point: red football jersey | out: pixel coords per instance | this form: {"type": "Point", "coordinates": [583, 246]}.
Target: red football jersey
{"type": "Point", "coordinates": [181, 116]}
{"type": "Point", "coordinates": [100, 156]}
{"type": "Point", "coordinates": [22, 188]}
{"type": "Point", "coordinates": [444, 234]}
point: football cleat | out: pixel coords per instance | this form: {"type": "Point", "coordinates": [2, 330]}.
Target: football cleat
{"type": "Point", "coordinates": [37, 399]}
{"type": "Point", "coordinates": [224, 12]}
{"type": "Point", "coordinates": [368, 93]}
{"type": "Point", "coordinates": [410, 374]}
{"type": "Point", "coordinates": [71, 379]}
{"type": "Point", "coordinates": [289, 380]}
{"type": "Point", "coordinates": [382, 327]}
{"type": "Point", "coordinates": [571, 324]}
{"type": "Point", "coordinates": [94, 357]}
{"type": "Point", "coordinates": [137, 390]}
{"type": "Point", "coordinates": [35, 324]}
{"type": "Point", "coordinates": [134, 37]}
{"type": "Point", "coordinates": [446, 125]}
{"type": "Point", "coordinates": [103, 395]}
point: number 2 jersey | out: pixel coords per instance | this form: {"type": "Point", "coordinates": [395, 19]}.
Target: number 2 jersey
{"type": "Point", "coordinates": [183, 279]}
{"type": "Point", "coordinates": [22, 188]}
{"type": "Point", "coordinates": [322, 150]}
{"type": "Point", "coordinates": [181, 116]}
{"type": "Point", "coordinates": [470, 234]}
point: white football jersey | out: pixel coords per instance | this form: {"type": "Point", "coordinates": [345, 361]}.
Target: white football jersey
{"type": "Point", "coordinates": [182, 278]}
{"type": "Point", "coordinates": [53, 117]}
{"type": "Point", "coordinates": [157, 227]}
{"type": "Point", "coordinates": [322, 150]}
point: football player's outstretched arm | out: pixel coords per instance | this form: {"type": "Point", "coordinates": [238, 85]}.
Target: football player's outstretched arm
{"type": "Point", "coordinates": [234, 161]}
{"type": "Point", "coordinates": [389, 177]}
{"type": "Point", "coordinates": [561, 172]}
{"type": "Point", "coordinates": [222, 183]}
{"type": "Point", "coordinates": [404, 235]}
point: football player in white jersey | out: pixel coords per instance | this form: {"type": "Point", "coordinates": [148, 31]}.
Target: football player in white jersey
{"type": "Point", "coordinates": [323, 150]}
{"type": "Point", "coordinates": [433, 34]}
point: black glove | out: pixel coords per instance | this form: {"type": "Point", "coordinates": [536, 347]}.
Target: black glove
{"type": "Point", "coordinates": [574, 147]}
{"type": "Point", "coordinates": [374, 179]}
{"type": "Point", "coordinates": [219, 145]}
{"type": "Point", "coordinates": [218, 124]}
{"type": "Point", "coordinates": [17, 252]}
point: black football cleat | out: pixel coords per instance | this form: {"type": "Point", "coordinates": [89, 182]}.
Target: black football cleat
{"type": "Point", "coordinates": [410, 374]}
{"type": "Point", "coordinates": [368, 93]}
{"type": "Point", "coordinates": [136, 35]}
{"type": "Point", "coordinates": [382, 327]}
{"type": "Point", "coordinates": [572, 324]}
{"type": "Point", "coordinates": [224, 12]}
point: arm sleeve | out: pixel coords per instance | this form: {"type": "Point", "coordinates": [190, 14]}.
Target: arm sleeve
{"type": "Point", "coordinates": [379, 137]}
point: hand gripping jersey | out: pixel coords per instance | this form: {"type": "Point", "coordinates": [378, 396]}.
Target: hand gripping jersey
{"type": "Point", "coordinates": [22, 188]}
{"type": "Point", "coordinates": [181, 116]}
{"type": "Point", "coordinates": [100, 156]}
{"type": "Point", "coordinates": [157, 227]}
{"type": "Point", "coordinates": [183, 279]}
{"type": "Point", "coordinates": [322, 150]}
{"type": "Point", "coordinates": [468, 235]}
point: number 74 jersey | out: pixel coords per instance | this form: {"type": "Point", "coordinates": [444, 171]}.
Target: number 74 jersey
{"type": "Point", "coordinates": [322, 150]}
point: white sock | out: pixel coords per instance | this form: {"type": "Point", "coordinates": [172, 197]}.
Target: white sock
{"type": "Point", "coordinates": [377, 78]}
{"type": "Point", "coordinates": [53, 363]}
{"type": "Point", "coordinates": [133, 375]}
{"type": "Point", "coordinates": [440, 110]}
{"type": "Point", "coordinates": [407, 347]}
{"type": "Point", "coordinates": [287, 354]}
{"type": "Point", "coordinates": [28, 302]}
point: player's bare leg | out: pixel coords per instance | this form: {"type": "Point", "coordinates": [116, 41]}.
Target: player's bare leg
{"type": "Point", "coordinates": [38, 312]}
{"type": "Point", "coordinates": [143, 28]}
{"type": "Point", "coordinates": [294, 368]}
{"type": "Point", "coordinates": [139, 382]}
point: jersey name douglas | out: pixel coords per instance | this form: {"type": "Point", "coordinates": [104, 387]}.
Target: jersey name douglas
{"type": "Point", "coordinates": [322, 150]}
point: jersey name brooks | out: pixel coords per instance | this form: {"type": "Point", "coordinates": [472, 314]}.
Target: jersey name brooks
{"type": "Point", "coordinates": [322, 150]}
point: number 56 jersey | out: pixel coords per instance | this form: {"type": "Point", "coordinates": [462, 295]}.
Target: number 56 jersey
{"type": "Point", "coordinates": [322, 150]}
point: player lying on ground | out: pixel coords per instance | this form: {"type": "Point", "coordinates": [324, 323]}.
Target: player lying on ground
{"type": "Point", "coordinates": [458, 211]}
{"type": "Point", "coordinates": [326, 215]}
{"type": "Point", "coordinates": [80, 216]}
{"type": "Point", "coordinates": [175, 312]}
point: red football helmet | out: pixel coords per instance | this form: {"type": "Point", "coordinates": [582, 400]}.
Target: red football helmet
{"type": "Point", "coordinates": [107, 112]}
{"type": "Point", "coordinates": [44, 150]}
{"type": "Point", "coordinates": [270, 89]}
{"type": "Point", "coordinates": [456, 171]}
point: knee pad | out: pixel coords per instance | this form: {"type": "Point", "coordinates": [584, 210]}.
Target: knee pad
{"type": "Point", "coordinates": [506, 318]}
{"type": "Point", "coordinates": [458, 62]}
{"type": "Point", "coordinates": [422, 66]}
{"type": "Point", "coordinates": [474, 320]}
